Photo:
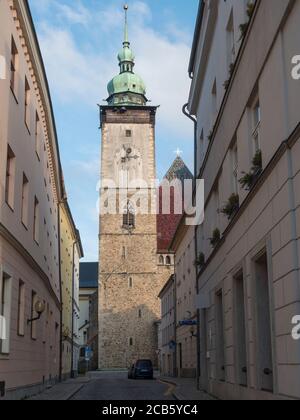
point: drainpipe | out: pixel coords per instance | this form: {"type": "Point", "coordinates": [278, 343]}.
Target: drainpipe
{"type": "Point", "coordinates": [194, 120]}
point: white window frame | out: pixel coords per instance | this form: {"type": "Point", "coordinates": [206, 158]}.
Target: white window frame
{"type": "Point", "coordinates": [5, 310]}
{"type": "Point", "coordinates": [256, 126]}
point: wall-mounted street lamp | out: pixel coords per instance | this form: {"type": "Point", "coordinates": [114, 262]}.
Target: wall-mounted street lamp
{"type": "Point", "coordinates": [39, 308]}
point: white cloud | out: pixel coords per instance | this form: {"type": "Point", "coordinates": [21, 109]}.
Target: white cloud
{"type": "Point", "coordinates": [78, 15]}
{"type": "Point", "coordinates": [78, 75]}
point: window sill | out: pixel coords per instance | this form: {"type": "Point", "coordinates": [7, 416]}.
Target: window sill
{"type": "Point", "coordinates": [4, 356]}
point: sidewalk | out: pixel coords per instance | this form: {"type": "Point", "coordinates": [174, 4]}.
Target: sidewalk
{"type": "Point", "coordinates": [63, 391]}
{"type": "Point", "coordinates": [186, 390]}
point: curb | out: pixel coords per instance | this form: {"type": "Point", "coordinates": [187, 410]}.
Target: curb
{"type": "Point", "coordinates": [174, 393]}
{"type": "Point", "coordinates": [76, 392]}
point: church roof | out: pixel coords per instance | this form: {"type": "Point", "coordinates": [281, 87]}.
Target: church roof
{"type": "Point", "coordinates": [167, 223]}
{"type": "Point", "coordinates": [178, 170]}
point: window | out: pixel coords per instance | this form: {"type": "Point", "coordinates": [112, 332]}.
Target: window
{"type": "Point", "coordinates": [37, 135]}
{"type": "Point", "coordinates": [256, 119]}
{"type": "Point", "coordinates": [123, 252]}
{"type": "Point", "coordinates": [27, 104]}
{"type": "Point", "coordinates": [140, 313]}
{"type": "Point", "coordinates": [130, 341]}
{"type": "Point", "coordinates": [10, 178]}
{"type": "Point", "coordinates": [231, 53]}
{"type": "Point", "coordinates": [130, 283]}
{"type": "Point", "coordinates": [214, 102]}
{"type": "Point", "coordinates": [240, 328]}
{"type": "Point", "coordinates": [14, 67]}
{"type": "Point", "coordinates": [33, 315]}
{"type": "Point", "coordinates": [21, 309]}
{"type": "Point", "coordinates": [5, 312]}
{"type": "Point", "coordinates": [234, 157]}
{"type": "Point", "coordinates": [25, 202]}
{"type": "Point", "coordinates": [263, 322]}
{"type": "Point", "coordinates": [36, 221]}
{"type": "Point", "coordinates": [129, 217]}
{"type": "Point", "coordinates": [161, 260]}
{"type": "Point", "coordinates": [168, 260]}
{"type": "Point", "coordinates": [128, 133]}
{"type": "Point", "coordinates": [220, 343]}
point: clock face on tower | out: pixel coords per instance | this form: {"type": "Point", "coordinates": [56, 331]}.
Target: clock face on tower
{"type": "Point", "coordinates": [128, 165]}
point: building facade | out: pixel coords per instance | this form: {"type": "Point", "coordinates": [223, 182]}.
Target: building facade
{"type": "Point", "coordinates": [167, 351]}
{"type": "Point", "coordinates": [31, 189]}
{"type": "Point", "coordinates": [88, 287]}
{"type": "Point", "coordinates": [71, 252]}
{"type": "Point", "coordinates": [186, 314]}
{"type": "Point", "coordinates": [246, 103]}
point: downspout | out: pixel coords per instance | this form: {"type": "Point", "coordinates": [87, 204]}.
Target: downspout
{"type": "Point", "coordinates": [60, 295]}
{"type": "Point", "coordinates": [187, 114]}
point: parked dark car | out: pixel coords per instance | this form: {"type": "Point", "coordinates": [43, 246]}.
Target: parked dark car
{"type": "Point", "coordinates": [142, 369]}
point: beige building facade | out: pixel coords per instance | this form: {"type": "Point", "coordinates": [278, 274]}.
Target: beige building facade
{"type": "Point", "coordinates": [70, 254]}
{"type": "Point", "coordinates": [247, 107]}
{"type": "Point", "coordinates": [186, 314]}
{"type": "Point", "coordinates": [29, 195]}
{"type": "Point", "coordinates": [167, 349]}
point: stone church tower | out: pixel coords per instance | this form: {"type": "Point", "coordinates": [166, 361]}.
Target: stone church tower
{"type": "Point", "coordinates": [129, 286]}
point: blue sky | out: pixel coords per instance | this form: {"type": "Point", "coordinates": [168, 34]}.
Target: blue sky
{"type": "Point", "coordinates": [80, 40]}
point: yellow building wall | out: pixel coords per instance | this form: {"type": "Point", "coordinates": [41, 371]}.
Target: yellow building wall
{"type": "Point", "coordinates": [66, 250]}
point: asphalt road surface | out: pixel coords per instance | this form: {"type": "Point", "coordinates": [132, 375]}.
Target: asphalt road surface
{"type": "Point", "coordinates": [108, 386]}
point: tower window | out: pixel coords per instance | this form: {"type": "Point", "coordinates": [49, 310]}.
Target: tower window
{"type": "Point", "coordinates": [130, 341]}
{"type": "Point", "coordinates": [128, 133]}
{"type": "Point", "coordinates": [129, 217]}
{"type": "Point", "coordinates": [140, 313]}
{"type": "Point", "coordinates": [130, 283]}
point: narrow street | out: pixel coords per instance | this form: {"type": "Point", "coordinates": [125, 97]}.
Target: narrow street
{"type": "Point", "coordinates": [108, 386]}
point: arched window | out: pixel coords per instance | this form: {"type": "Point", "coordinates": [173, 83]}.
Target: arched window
{"type": "Point", "coordinates": [129, 217]}
{"type": "Point", "coordinates": [168, 260]}
{"type": "Point", "coordinates": [161, 260]}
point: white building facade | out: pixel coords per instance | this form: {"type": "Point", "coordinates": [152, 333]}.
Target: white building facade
{"type": "Point", "coordinates": [246, 97]}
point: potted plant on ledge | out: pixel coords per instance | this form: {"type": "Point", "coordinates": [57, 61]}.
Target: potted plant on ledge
{"type": "Point", "coordinates": [215, 238]}
{"type": "Point", "coordinates": [200, 261]}
{"type": "Point", "coordinates": [248, 179]}
{"type": "Point", "coordinates": [232, 206]}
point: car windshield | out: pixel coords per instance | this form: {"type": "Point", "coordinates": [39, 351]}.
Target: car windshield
{"type": "Point", "coordinates": [144, 364]}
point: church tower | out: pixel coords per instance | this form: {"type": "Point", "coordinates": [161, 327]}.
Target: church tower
{"type": "Point", "coordinates": [129, 307]}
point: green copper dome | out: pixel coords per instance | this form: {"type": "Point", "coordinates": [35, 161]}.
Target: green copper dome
{"type": "Point", "coordinates": [127, 88]}
{"type": "Point", "coordinates": [126, 54]}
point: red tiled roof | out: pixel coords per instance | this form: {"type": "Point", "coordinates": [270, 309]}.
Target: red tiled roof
{"type": "Point", "coordinates": [167, 223]}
